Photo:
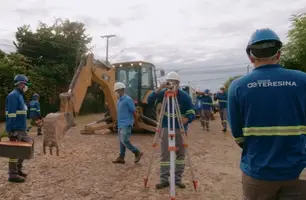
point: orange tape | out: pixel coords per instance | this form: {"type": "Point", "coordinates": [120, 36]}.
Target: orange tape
{"type": "Point", "coordinates": [172, 148]}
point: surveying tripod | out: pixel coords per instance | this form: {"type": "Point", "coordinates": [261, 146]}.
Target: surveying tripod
{"type": "Point", "coordinates": [170, 103]}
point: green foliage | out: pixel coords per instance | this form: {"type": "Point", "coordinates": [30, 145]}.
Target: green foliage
{"type": "Point", "coordinates": [294, 52]}
{"type": "Point", "coordinates": [48, 56]}
{"type": "Point", "coordinates": [229, 81]}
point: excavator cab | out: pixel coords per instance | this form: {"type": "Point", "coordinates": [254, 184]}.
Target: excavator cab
{"type": "Point", "coordinates": [140, 80]}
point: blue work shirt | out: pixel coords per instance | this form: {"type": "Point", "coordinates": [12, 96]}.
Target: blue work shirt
{"type": "Point", "coordinates": [34, 108]}
{"type": "Point", "coordinates": [125, 110]}
{"type": "Point", "coordinates": [222, 99]}
{"type": "Point", "coordinates": [185, 105]}
{"type": "Point", "coordinates": [15, 112]}
{"type": "Point", "coordinates": [267, 114]}
{"type": "Point", "coordinates": [206, 102]}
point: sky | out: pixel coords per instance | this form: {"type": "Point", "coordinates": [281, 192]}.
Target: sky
{"type": "Point", "coordinates": [204, 40]}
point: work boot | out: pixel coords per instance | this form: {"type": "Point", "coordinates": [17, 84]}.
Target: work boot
{"type": "Point", "coordinates": [22, 174]}
{"type": "Point", "coordinates": [180, 184]}
{"type": "Point", "coordinates": [162, 185]}
{"type": "Point", "coordinates": [207, 129]}
{"type": "Point", "coordinates": [138, 156]}
{"type": "Point", "coordinates": [16, 179]}
{"type": "Point", "coordinates": [224, 130]}
{"type": "Point", "coordinates": [119, 160]}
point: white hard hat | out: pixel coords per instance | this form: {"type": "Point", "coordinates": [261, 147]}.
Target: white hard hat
{"type": "Point", "coordinates": [222, 86]}
{"type": "Point", "coordinates": [118, 86]}
{"type": "Point", "coordinates": [173, 76]}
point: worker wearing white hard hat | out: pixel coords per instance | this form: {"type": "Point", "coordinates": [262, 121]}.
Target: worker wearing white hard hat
{"type": "Point", "coordinates": [188, 113]}
{"type": "Point", "coordinates": [125, 121]}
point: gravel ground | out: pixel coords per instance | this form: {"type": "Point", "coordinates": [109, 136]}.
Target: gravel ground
{"type": "Point", "coordinates": [84, 170]}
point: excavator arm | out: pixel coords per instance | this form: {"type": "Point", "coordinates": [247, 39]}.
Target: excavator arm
{"type": "Point", "coordinates": [57, 124]}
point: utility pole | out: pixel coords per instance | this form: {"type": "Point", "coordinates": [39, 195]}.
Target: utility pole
{"type": "Point", "coordinates": [107, 37]}
{"type": "Point", "coordinates": [248, 69]}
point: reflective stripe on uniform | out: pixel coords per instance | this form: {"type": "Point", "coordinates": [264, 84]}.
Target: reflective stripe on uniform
{"type": "Point", "coordinates": [171, 115]}
{"type": "Point", "coordinates": [222, 101]}
{"type": "Point", "coordinates": [191, 111]}
{"type": "Point", "coordinates": [239, 140]}
{"type": "Point", "coordinates": [180, 162]}
{"type": "Point", "coordinates": [18, 112]}
{"type": "Point", "coordinates": [12, 160]}
{"type": "Point", "coordinates": [206, 103]}
{"type": "Point", "coordinates": [177, 162]}
{"type": "Point", "coordinates": [32, 108]}
{"type": "Point", "coordinates": [274, 131]}
{"type": "Point", "coordinates": [164, 163]}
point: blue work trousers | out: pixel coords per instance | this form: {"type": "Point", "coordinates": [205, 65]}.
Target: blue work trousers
{"type": "Point", "coordinates": [124, 134]}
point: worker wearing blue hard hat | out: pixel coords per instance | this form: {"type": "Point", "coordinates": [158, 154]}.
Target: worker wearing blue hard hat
{"type": "Point", "coordinates": [206, 108]}
{"type": "Point", "coordinates": [34, 107]}
{"type": "Point", "coordinates": [221, 96]}
{"type": "Point", "coordinates": [16, 124]}
{"type": "Point", "coordinates": [266, 112]}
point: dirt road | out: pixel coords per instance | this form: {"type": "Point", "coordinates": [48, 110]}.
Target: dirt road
{"type": "Point", "coordinates": [84, 170]}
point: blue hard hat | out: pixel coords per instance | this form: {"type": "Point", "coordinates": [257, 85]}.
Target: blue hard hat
{"type": "Point", "coordinates": [20, 78]}
{"type": "Point", "coordinates": [206, 91]}
{"type": "Point", "coordinates": [35, 95]}
{"type": "Point", "coordinates": [261, 35]}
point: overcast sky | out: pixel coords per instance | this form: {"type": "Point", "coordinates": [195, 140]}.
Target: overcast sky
{"type": "Point", "coordinates": [204, 38]}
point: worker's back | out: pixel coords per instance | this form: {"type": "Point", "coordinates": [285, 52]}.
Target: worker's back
{"type": "Point", "coordinates": [272, 102]}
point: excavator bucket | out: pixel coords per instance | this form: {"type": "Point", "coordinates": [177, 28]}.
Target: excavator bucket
{"type": "Point", "coordinates": [55, 127]}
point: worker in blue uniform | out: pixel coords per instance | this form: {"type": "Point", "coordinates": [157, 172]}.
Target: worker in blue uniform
{"type": "Point", "coordinates": [125, 114]}
{"type": "Point", "coordinates": [34, 113]}
{"type": "Point", "coordinates": [188, 115]}
{"type": "Point", "coordinates": [16, 124]}
{"type": "Point", "coordinates": [206, 111]}
{"type": "Point", "coordinates": [267, 110]}
{"type": "Point", "coordinates": [221, 96]}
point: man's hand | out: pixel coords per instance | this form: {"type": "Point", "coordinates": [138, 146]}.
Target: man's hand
{"type": "Point", "coordinates": [184, 120]}
{"type": "Point", "coordinates": [162, 86]}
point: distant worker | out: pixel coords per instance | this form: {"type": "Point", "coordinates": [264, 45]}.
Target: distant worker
{"type": "Point", "coordinates": [188, 114]}
{"type": "Point", "coordinates": [206, 110]}
{"type": "Point", "coordinates": [34, 113]}
{"type": "Point", "coordinates": [125, 119]}
{"type": "Point", "coordinates": [221, 96]}
{"type": "Point", "coordinates": [16, 124]}
{"type": "Point", "coordinates": [267, 117]}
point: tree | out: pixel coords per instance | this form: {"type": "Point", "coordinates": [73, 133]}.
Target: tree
{"type": "Point", "coordinates": [294, 52]}
{"type": "Point", "coordinates": [229, 81]}
{"type": "Point", "coordinates": [55, 45]}
{"type": "Point", "coordinates": [48, 56]}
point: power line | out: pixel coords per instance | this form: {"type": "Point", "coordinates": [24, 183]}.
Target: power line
{"type": "Point", "coordinates": [212, 66]}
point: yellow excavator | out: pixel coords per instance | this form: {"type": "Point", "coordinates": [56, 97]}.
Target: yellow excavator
{"type": "Point", "coordinates": [140, 80]}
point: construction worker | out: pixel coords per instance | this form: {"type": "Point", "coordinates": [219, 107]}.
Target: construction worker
{"type": "Point", "coordinates": [188, 114]}
{"type": "Point", "coordinates": [221, 96]}
{"type": "Point", "coordinates": [16, 124]}
{"type": "Point", "coordinates": [206, 110]}
{"type": "Point", "coordinates": [125, 121]}
{"type": "Point", "coordinates": [34, 108]}
{"type": "Point", "coordinates": [267, 117]}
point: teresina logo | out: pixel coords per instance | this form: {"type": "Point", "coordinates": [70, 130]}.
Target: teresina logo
{"type": "Point", "coordinates": [268, 83]}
